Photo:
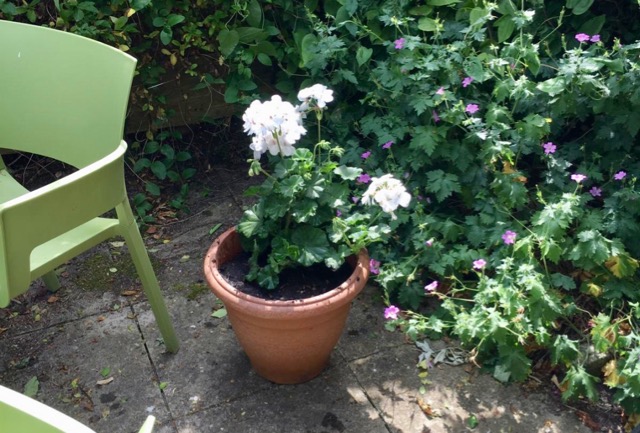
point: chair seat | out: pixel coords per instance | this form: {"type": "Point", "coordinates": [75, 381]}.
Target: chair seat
{"type": "Point", "coordinates": [51, 254]}
{"type": "Point", "coordinates": [9, 187]}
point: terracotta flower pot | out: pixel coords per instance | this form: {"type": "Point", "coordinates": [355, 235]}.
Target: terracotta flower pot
{"type": "Point", "coordinates": [286, 341]}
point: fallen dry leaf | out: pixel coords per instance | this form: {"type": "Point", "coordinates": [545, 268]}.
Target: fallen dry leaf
{"type": "Point", "coordinates": [100, 318]}
{"type": "Point", "coordinates": [52, 299]}
{"type": "Point", "coordinates": [2, 330]}
{"type": "Point", "coordinates": [587, 420]}
{"type": "Point", "coordinates": [129, 293]}
{"type": "Point", "coordinates": [105, 381]}
{"type": "Point", "coordinates": [426, 408]}
{"type": "Point", "coordinates": [152, 229]}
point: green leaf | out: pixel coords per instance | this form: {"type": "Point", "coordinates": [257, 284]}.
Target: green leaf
{"type": "Point", "coordinates": [141, 164]}
{"type": "Point", "coordinates": [220, 313]}
{"type": "Point", "coordinates": [251, 221]}
{"type": "Point", "coordinates": [563, 281]}
{"type": "Point", "coordinates": [348, 173]}
{"type": "Point", "coordinates": [313, 244]}
{"type": "Point", "coordinates": [442, 184]}
{"type": "Point", "coordinates": [105, 372]}
{"type": "Point", "coordinates": [174, 19]}
{"type": "Point", "coordinates": [581, 6]}
{"type": "Point", "coordinates": [159, 170]}
{"type": "Point", "coordinates": [363, 55]}
{"type": "Point", "coordinates": [564, 350]}
{"type": "Point", "coordinates": [166, 35]}
{"type": "Point", "coordinates": [254, 17]}
{"type": "Point", "coordinates": [290, 186]}
{"type": "Point", "coordinates": [163, 385]}
{"type": "Point", "coordinates": [553, 86]}
{"type": "Point", "coordinates": [513, 364]}
{"type": "Point", "coordinates": [228, 40]}
{"type": "Point", "coordinates": [506, 26]}
{"type": "Point", "coordinates": [580, 383]}
{"type": "Point", "coordinates": [32, 387]}
{"type": "Point", "coordinates": [427, 24]}
{"type": "Point", "coordinates": [442, 2]}
{"type": "Point", "coordinates": [152, 189]}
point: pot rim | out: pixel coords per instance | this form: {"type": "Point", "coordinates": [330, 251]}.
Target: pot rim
{"type": "Point", "coordinates": [226, 292]}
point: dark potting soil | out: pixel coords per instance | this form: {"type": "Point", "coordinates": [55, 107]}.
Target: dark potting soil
{"type": "Point", "coordinates": [295, 284]}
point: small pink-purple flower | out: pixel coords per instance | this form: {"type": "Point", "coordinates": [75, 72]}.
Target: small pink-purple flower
{"type": "Point", "coordinates": [355, 199]}
{"type": "Point", "coordinates": [366, 154]}
{"type": "Point", "coordinates": [391, 312]}
{"type": "Point", "coordinates": [440, 91]}
{"type": "Point", "coordinates": [595, 38]}
{"type": "Point", "coordinates": [479, 264]}
{"type": "Point", "coordinates": [583, 37]}
{"type": "Point", "coordinates": [364, 178]}
{"type": "Point", "coordinates": [595, 191]}
{"type": "Point", "coordinates": [429, 243]}
{"type": "Point", "coordinates": [387, 145]}
{"type": "Point", "coordinates": [549, 148]}
{"type": "Point", "coordinates": [467, 81]}
{"type": "Point", "coordinates": [509, 237]}
{"type": "Point", "coordinates": [374, 266]}
{"type": "Point", "coordinates": [432, 287]}
{"type": "Point", "coordinates": [620, 175]}
{"type": "Point", "coordinates": [472, 108]}
{"type": "Point", "coordinates": [436, 118]}
{"type": "Point", "coordinates": [338, 213]}
{"type": "Point", "coordinates": [399, 43]}
{"type": "Point", "coordinates": [577, 177]}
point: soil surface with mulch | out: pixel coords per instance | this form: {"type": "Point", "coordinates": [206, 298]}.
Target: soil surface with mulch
{"type": "Point", "coordinates": [295, 284]}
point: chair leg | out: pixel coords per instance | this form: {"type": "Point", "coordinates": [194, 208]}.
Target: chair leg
{"type": "Point", "coordinates": [150, 284]}
{"type": "Point", "coordinates": [51, 281]}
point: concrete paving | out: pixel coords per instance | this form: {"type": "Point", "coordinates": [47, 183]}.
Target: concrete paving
{"type": "Point", "coordinates": [84, 335]}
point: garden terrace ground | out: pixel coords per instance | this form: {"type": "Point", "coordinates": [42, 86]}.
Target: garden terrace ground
{"type": "Point", "coordinates": [83, 334]}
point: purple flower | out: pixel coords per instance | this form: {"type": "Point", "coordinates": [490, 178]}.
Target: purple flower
{"type": "Point", "coordinates": [391, 312]}
{"type": "Point", "coordinates": [436, 118]}
{"type": "Point", "coordinates": [578, 177]}
{"type": "Point", "coordinates": [549, 148]}
{"type": "Point", "coordinates": [429, 242]}
{"type": "Point", "coordinates": [509, 237]}
{"type": "Point", "coordinates": [595, 38]}
{"type": "Point", "coordinates": [595, 191]}
{"type": "Point", "coordinates": [472, 108]}
{"type": "Point", "coordinates": [620, 175]}
{"type": "Point", "coordinates": [364, 178]}
{"type": "Point", "coordinates": [582, 37]}
{"type": "Point", "coordinates": [338, 213]}
{"type": "Point", "coordinates": [374, 266]}
{"type": "Point", "coordinates": [440, 91]}
{"type": "Point", "coordinates": [467, 81]}
{"type": "Point", "coordinates": [366, 155]}
{"type": "Point", "coordinates": [431, 287]}
{"type": "Point", "coordinates": [355, 199]}
{"type": "Point", "coordinates": [479, 264]}
{"type": "Point", "coordinates": [387, 145]}
{"type": "Point", "coordinates": [399, 43]}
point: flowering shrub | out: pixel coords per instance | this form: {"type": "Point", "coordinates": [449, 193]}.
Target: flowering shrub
{"type": "Point", "coordinates": [306, 213]}
{"type": "Point", "coordinates": [514, 128]}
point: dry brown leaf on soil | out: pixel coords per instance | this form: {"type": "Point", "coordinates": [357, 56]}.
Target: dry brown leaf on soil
{"type": "Point", "coordinates": [100, 319]}
{"type": "Point", "coordinates": [587, 420]}
{"type": "Point", "coordinates": [52, 299]}
{"type": "Point", "coordinates": [129, 293]}
{"type": "Point", "coordinates": [3, 330]}
{"type": "Point", "coordinates": [561, 387]}
{"type": "Point", "coordinates": [105, 381]}
{"type": "Point", "coordinates": [426, 408]}
{"type": "Point", "coordinates": [632, 421]}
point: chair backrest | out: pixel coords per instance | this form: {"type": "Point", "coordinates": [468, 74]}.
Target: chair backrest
{"type": "Point", "coordinates": [61, 95]}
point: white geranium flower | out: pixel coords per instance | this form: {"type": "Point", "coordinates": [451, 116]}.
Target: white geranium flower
{"type": "Point", "coordinates": [388, 192]}
{"type": "Point", "coordinates": [321, 94]}
{"type": "Point", "coordinates": [276, 126]}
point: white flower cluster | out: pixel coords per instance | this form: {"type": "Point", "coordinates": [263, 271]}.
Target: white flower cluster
{"type": "Point", "coordinates": [388, 192]}
{"type": "Point", "coordinates": [318, 93]}
{"type": "Point", "coordinates": [276, 125]}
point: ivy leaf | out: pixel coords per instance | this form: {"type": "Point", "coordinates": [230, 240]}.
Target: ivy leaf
{"type": "Point", "coordinates": [228, 40]}
{"type": "Point", "coordinates": [363, 55]}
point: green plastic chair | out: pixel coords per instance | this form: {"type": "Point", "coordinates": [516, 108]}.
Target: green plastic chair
{"type": "Point", "coordinates": [65, 97]}
{"type": "Point", "coordinates": [22, 414]}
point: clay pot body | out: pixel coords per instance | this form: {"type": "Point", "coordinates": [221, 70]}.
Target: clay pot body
{"type": "Point", "coordinates": [286, 341]}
